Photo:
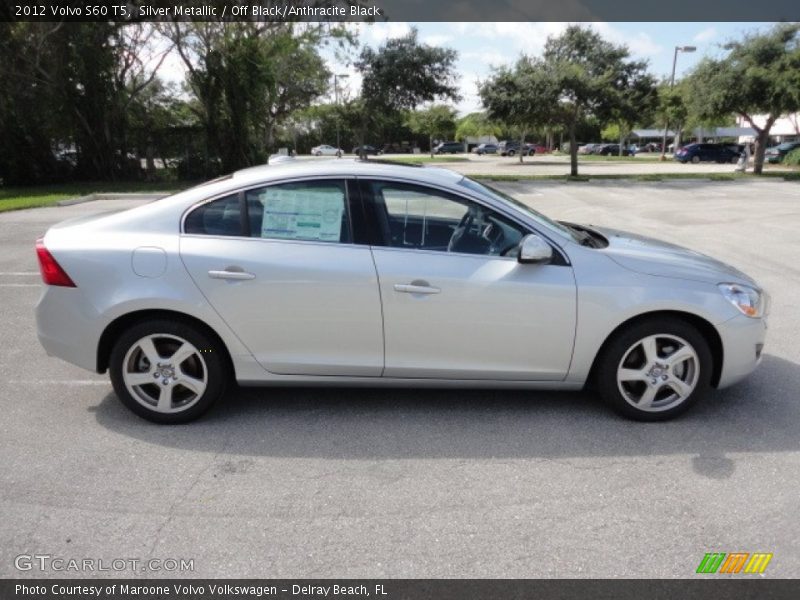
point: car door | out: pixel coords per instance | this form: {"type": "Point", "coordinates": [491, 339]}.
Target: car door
{"type": "Point", "coordinates": [456, 302]}
{"type": "Point", "coordinates": [279, 265]}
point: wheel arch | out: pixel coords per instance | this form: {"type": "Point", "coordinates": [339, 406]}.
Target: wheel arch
{"type": "Point", "coordinates": [114, 329]}
{"type": "Point", "coordinates": [706, 329]}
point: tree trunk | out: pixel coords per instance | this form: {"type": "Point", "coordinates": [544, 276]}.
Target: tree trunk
{"type": "Point", "coordinates": [150, 160]}
{"type": "Point", "coordinates": [521, 147]}
{"type": "Point", "coordinates": [573, 151]}
{"type": "Point", "coordinates": [430, 144]}
{"type": "Point", "coordinates": [621, 142]}
{"type": "Point", "coordinates": [761, 146]}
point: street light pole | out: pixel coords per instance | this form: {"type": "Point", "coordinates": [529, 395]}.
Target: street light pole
{"type": "Point", "coordinates": [672, 83]}
{"type": "Point", "coordinates": [336, 77]}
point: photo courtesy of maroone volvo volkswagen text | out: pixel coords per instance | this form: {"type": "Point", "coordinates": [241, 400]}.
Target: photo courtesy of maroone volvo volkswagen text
{"type": "Point", "coordinates": [365, 273]}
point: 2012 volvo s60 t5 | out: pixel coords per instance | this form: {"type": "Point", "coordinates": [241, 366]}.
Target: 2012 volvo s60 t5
{"type": "Point", "coordinates": [364, 273]}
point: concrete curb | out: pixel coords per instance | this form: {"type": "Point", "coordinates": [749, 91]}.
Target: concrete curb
{"type": "Point", "coordinates": [114, 196]}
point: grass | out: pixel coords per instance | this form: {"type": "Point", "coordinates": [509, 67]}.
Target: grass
{"type": "Point", "coordinates": [17, 198]}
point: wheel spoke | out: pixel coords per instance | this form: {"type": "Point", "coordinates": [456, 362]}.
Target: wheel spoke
{"type": "Point", "coordinates": [148, 347]}
{"type": "Point", "coordinates": [646, 401]}
{"type": "Point", "coordinates": [631, 375]}
{"type": "Point", "coordinates": [682, 388]}
{"type": "Point", "coordinates": [165, 398]}
{"type": "Point", "coordinates": [680, 355]}
{"type": "Point", "coordinates": [198, 386]}
{"type": "Point", "coordinates": [181, 354]}
{"type": "Point", "coordinates": [140, 378]}
{"type": "Point", "coordinates": [650, 349]}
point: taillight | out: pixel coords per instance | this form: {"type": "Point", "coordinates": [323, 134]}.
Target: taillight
{"type": "Point", "coordinates": [52, 273]}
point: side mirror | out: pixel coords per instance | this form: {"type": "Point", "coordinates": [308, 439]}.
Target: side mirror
{"type": "Point", "coordinates": [534, 250]}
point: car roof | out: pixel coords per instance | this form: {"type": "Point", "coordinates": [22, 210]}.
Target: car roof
{"type": "Point", "coordinates": [287, 168]}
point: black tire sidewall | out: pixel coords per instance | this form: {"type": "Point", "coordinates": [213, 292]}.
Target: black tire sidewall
{"type": "Point", "coordinates": [606, 374]}
{"type": "Point", "coordinates": [214, 356]}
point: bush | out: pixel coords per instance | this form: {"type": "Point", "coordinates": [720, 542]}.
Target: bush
{"type": "Point", "coordinates": [793, 158]}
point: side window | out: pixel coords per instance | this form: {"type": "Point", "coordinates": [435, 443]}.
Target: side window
{"type": "Point", "coordinates": [412, 216]}
{"type": "Point", "coordinates": [218, 217]}
{"type": "Point", "coordinates": [305, 210]}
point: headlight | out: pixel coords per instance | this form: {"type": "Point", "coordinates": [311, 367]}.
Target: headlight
{"type": "Point", "coordinates": [750, 301]}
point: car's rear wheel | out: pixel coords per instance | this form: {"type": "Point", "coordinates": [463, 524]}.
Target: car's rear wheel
{"type": "Point", "coordinates": [695, 159]}
{"type": "Point", "coordinates": [655, 369]}
{"type": "Point", "coordinates": [511, 153]}
{"type": "Point", "coordinates": [167, 371]}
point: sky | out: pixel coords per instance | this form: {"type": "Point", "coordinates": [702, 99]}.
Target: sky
{"type": "Point", "coordinates": [482, 46]}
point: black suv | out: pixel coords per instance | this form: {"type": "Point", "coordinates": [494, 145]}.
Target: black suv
{"type": "Point", "coordinates": [449, 148]}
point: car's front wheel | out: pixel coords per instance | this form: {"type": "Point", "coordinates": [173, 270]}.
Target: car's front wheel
{"type": "Point", "coordinates": [168, 371]}
{"type": "Point", "coordinates": [655, 369]}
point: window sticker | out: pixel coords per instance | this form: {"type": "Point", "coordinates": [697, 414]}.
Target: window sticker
{"type": "Point", "coordinates": [302, 214]}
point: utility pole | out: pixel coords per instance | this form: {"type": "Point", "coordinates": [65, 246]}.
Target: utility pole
{"type": "Point", "coordinates": [672, 83]}
{"type": "Point", "coordinates": [336, 77]}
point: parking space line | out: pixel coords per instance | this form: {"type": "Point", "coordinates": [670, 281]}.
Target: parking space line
{"type": "Point", "coordinates": [18, 273]}
{"type": "Point", "coordinates": [20, 285]}
{"type": "Point", "coordinates": [58, 382]}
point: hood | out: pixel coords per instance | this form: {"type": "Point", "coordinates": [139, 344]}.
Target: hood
{"type": "Point", "coordinates": [654, 257]}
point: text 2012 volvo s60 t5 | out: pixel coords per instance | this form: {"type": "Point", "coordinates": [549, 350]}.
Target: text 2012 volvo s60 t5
{"type": "Point", "coordinates": [363, 273]}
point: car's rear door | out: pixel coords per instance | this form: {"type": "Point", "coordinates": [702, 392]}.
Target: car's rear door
{"type": "Point", "coordinates": [279, 263]}
{"type": "Point", "coordinates": [456, 307]}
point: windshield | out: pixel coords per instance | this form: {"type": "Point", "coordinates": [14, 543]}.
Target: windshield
{"type": "Point", "coordinates": [787, 145]}
{"type": "Point", "coordinates": [546, 222]}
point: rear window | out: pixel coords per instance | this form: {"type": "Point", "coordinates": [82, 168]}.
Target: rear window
{"type": "Point", "coordinates": [218, 217]}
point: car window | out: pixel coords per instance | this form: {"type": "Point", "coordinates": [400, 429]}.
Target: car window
{"type": "Point", "coordinates": [218, 217]}
{"type": "Point", "coordinates": [412, 216]}
{"type": "Point", "coordinates": [306, 210]}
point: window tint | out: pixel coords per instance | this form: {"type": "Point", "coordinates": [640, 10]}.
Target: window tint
{"type": "Point", "coordinates": [306, 210]}
{"type": "Point", "coordinates": [418, 217]}
{"type": "Point", "coordinates": [218, 217]}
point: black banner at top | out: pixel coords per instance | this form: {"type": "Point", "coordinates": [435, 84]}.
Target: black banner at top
{"type": "Point", "coordinates": [400, 10]}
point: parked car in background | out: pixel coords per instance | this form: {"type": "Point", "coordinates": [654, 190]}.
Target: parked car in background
{"type": "Point", "coordinates": [393, 148]}
{"type": "Point", "coordinates": [326, 150]}
{"type": "Point", "coordinates": [696, 153]}
{"type": "Point", "coordinates": [367, 150]}
{"type": "Point", "coordinates": [540, 149]}
{"type": "Point", "coordinates": [263, 278]}
{"type": "Point", "coordinates": [587, 148]}
{"type": "Point", "coordinates": [449, 148]}
{"type": "Point", "coordinates": [486, 149]}
{"type": "Point", "coordinates": [648, 147]}
{"type": "Point", "coordinates": [776, 154]}
{"type": "Point", "coordinates": [609, 150]}
{"type": "Point", "coordinates": [511, 148]}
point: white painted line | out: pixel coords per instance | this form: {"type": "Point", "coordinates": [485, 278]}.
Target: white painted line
{"type": "Point", "coordinates": [58, 382]}
{"type": "Point", "coordinates": [15, 273]}
{"type": "Point", "coordinates": [20, 285]}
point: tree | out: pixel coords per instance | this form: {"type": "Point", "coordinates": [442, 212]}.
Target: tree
{"type": "Point", "coordinates": [759, 76]}
{"type": "Point", "coordinates": [248, 77]}
{"type": "Point", "coordinates": [476, 124]}
{"type": "Point", "coordinates": [402, 74]}
{"type": "Point", "coordinates": [593, 77]}
{"type": "Point", "coordinates": [436, 121]}
{"type": "Point", "coordinates": [523, 97]}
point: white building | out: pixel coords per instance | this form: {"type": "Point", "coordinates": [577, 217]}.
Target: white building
{"type": "Point", "coordinates": [785, 129]}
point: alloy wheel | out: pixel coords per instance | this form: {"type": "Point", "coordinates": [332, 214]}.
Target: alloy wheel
{"type": "Point", "coordinates": [165, 373]}
{"type": "Point", "coordinates": [658, 372]}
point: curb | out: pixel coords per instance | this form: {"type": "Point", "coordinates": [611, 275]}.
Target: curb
{"type": "Point", "coordinates": [114, 196]}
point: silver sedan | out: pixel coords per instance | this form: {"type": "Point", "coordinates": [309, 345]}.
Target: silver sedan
{"type": "Point", "coordinates": [365, 273]}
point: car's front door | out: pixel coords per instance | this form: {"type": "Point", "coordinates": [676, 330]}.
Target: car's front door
{"type": "Point", "coordinates": [456, 302]}
{"type": "Point", "coordinates": [278, 263]}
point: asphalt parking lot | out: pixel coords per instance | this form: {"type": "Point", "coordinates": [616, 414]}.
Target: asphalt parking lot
{"type": "Point", "coordinates": [404, 483]}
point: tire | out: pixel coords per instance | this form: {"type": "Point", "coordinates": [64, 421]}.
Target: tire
{"type": "Point", "coordinates": [193, 385]}
{"type": "Point", "coordinates": [511, 153]}
{"type": "Point", "coordinates": [695, 160]}
{"type": "Point", "coordinates": [339, 155]}
{"type": "Point", "coordinates": [624, 376]}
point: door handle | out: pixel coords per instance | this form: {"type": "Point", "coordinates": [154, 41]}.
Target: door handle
{"type": "Point", "coordinates": [230, 273]}
{"type": "Point", "coordinates": [416, 287]}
